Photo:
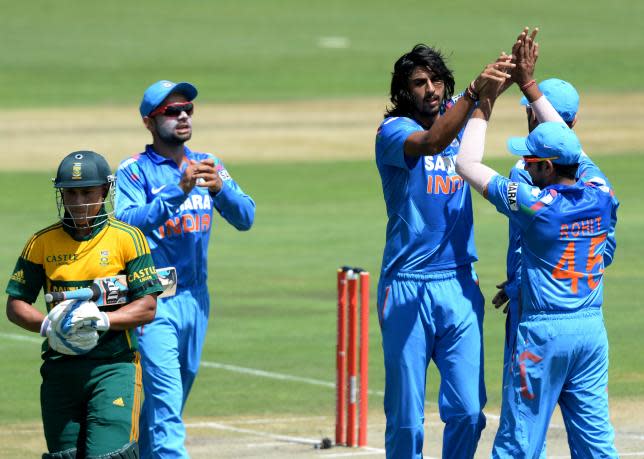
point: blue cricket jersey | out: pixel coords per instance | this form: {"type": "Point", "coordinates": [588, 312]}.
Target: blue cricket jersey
{"type": "Point", "coordinates": [588, 171]}
{"type": "Point", "coordinates": [563, 234]}
{"type": "Point", "coordinates": [177, 225]}
{"type": "Point", "coordinates": [429, 206]}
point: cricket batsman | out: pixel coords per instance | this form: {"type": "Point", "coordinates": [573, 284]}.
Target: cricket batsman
{"type": "Point", "coordinates": [91, 372]}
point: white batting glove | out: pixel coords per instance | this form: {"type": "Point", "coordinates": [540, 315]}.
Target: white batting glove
{"type": "Point", "coordinates": [53, 317]}
{"type": "Point", "coordinates": [87, 314]}
{"type": "Point", "coordinates": [77, 342]}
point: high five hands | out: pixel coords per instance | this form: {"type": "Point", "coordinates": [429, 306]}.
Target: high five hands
{"type": "Point", "coordinates": [517, 67]}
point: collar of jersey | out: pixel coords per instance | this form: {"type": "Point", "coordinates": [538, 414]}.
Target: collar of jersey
{"type": "Point", "coordinates": [158, 159]}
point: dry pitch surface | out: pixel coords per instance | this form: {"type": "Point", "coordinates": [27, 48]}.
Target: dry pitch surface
{"type": "Point", "coordinates": [302, 131]}
{"type": "Point", "coordinates": [281, 437]}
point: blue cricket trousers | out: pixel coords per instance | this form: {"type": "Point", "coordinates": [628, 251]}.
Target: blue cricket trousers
{"type": "Point", "coordinates": [437, 316]}
{"type": "Point", "coordinates": [559, 358]}
{"type": "Point", "coordinates": [170, 349]}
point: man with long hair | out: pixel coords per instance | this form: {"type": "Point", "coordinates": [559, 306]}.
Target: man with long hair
{"type": "Point", "coordinates": [429, 303]}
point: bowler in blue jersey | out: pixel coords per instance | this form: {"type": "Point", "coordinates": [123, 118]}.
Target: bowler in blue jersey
{"type": "Point", "coordinates": [429, 303]}
{"type": "Point", "coordinates": [170, 192]}
{"type": "Point", "coordinates": [560, 354]}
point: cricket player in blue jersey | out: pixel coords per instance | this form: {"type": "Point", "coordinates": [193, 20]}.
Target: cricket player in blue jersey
{"type": "Point", "coordinates": [169, 192]}
{"type": "Point", "coordinates": [561, 346]}
{"type": "Point", "coordinates": [565, 100]}
{"type": "Point", "coordinates": [429, 303]}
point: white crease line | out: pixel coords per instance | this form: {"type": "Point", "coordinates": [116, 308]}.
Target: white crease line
{"type": "Point", "coordinates": [266, 444]}
{"type": "Point", "coordinates": [279, 420]}
{"type": "Point", "coordinates": [273, 375]}
{"type": "Point", "coordinates": [285, 438]}
{"type": "Point", "coordinates": [17, 337]}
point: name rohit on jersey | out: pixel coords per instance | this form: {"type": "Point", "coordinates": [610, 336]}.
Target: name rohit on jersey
{"type": "Point", "coordinates": [587, 227]}
{"type": "Point", "coordinates": [438, 183]}
{"type": "Point", "coordinates": [189, 222]}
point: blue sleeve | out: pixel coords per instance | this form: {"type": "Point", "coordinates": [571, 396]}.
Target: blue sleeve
{"type": "Point", "coordinates": [518, 201]}
{"type": "Point", "coordinates": [513, 256]}
{"type": "Point", "coordinates": [235, 206]}
{"type": "Point", "coordinates": [588, 172]}
{"type": "Point", "coordinates": [390, 141]}
{"type": "Point", "coordinates": [132, 204]}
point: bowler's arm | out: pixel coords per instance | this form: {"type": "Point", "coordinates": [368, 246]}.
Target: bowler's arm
{"type": "Point", "coordinates": [468, 162]}
{"type": "Point", "coordinates": [441, 134]}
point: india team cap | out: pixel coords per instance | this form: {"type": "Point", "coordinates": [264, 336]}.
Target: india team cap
{"type": "Point", "coordinates": [553, 141]}
{"type": "Point", "coordinates": [562, 95]}
{"type": "Point", "coordinates": [156, 93]}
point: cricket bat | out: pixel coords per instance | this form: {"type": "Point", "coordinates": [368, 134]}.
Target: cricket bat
{"type": "Point", "coordinates": [108, 291]}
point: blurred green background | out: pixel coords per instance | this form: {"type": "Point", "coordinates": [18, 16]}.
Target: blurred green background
{"type": "Point", "coordinates": [80, 52]}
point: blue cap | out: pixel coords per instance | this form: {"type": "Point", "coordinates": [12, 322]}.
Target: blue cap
{"type": "Point", "coordinates": [156, 93]}
{"type": "Point", "coordinates": [562, 95]}
{"type": "Point", "coordinates": [548, 140]}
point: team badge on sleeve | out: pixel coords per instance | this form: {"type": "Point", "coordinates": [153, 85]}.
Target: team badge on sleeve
{"type": "Point", "coordinates": [513, 187]}
{"type": "Point", "coordinates": [224, 175]}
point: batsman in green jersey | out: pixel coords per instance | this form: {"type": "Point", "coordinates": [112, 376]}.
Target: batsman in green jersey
{"type": "Point", "coordinates": [91, 375]}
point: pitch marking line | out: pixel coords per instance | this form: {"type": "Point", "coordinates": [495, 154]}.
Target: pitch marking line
{"type": "Point", "coordinates": [17, 337]}
{"type": "Point", "coordinates": [285, 438]}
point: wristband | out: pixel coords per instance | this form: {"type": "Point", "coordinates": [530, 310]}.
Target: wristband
{"type": "Point", "coordinates": [527, 85]}
{"type": "Point", "coordinates": [471, 93]}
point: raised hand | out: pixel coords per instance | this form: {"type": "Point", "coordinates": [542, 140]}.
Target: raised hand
{"type": "Point", "coordinates": [526, 53]}
{"type": "Point", "coordinates": [494, 77]}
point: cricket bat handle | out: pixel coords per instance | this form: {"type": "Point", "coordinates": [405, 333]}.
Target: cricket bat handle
{"type": "Point", "coordinates": [88, 293]}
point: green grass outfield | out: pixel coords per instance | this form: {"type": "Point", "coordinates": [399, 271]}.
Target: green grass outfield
{"type": "Point", "coordinates": [82, 52]}
{"type": "Point", "coordinates": [274, 287]}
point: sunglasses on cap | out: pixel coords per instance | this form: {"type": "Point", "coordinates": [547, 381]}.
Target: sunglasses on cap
{"type": "Point", "coordinates": [174, 109]}
{"type": "Point", "coordinates": [537, 159]}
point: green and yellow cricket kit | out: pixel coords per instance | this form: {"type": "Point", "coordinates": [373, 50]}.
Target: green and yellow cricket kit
{"type": "Point", "coordinates": [91, 401]}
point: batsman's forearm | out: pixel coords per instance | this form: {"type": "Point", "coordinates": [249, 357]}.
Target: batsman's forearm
{"type": "Point", "coordinates": [139, 312]}
{"type": "Point", "coordinates": [24, 314]}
